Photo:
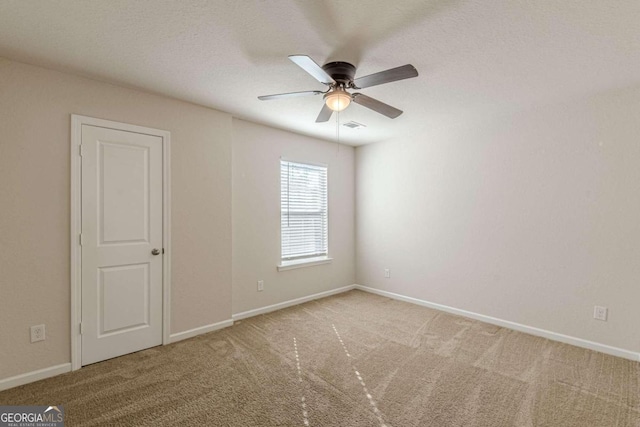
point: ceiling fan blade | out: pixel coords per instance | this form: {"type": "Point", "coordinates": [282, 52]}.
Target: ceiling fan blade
{"type": "Point", "coordinates": [289, 95]}
{"type": "Point", "coordinates": [377, 106]}
{"type": "Point", "coordinates": [310, 66]}
{"type": "Point", "coordinates": [325, 114]}
{"type": "Point", "coordinates": [392, 75]}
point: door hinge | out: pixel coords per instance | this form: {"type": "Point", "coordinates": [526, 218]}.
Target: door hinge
{"type": "Point", "coordinates": [81, 329]}
{"type": "Point", "coordinates": [81, 149]}
{"type": "Point", "coordinates": [80, 239]}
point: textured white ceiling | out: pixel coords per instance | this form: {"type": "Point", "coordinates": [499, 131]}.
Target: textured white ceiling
{"type": "Point", "coordinates": [475, 58]}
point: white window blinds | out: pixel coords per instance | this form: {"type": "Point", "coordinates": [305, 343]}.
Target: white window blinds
{"type": "Point", "coordinates": [303, 207]}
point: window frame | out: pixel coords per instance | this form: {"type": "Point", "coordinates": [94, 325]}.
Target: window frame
{"type": "Point", "coordinates": [305, 261]}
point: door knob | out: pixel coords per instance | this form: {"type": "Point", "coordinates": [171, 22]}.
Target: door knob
{"type": "Point", "coordinates": [155, 252]}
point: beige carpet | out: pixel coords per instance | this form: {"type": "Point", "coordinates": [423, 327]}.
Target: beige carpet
{"type": "Point", "coordinates": [354, 359]}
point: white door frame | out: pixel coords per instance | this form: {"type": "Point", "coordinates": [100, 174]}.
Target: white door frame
{"type": "Point", "coordinates": [76, 226]}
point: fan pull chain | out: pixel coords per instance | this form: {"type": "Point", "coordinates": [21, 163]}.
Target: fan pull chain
{"type": "Point", "coordinates": [338, 132]}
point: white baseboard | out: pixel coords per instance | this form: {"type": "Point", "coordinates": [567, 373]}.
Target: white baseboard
{"type": "Point", "coordinates": [554, 336]}
{"type": "Point", "coordinates": [285, 304]}
{"type": "Point", "coordinates": [33, 376]}
{"type": "Point", "coordinates": [52, 371]}
{"type": "Point", "coordinates": [41, 374]}
{"type": "Point", "coordinates": [179, 336]}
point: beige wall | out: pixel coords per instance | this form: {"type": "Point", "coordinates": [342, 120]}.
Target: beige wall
{"type": "Point", "coordinates": [35, 109]}
{"type": "Point", "coordinates": [256, 216]}
{"type": "Point", "coordinates": [533, 218]}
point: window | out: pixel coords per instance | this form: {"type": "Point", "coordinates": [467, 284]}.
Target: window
{"type": "Point", "coordinates": [303, 213]}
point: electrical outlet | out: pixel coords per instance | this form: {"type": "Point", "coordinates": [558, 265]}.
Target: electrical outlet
{"type": "Point", "coordinates": [387, 273]}
{"type": "Point", "coordinates": [260, 285]}
{"type": "Point", "coordinates": [37, 333]}
{"type": "Point", "coordinates": [600, 313]}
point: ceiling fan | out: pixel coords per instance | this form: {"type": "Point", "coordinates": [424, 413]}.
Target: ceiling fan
{"type": "Point", "coordinates": [339, 76]}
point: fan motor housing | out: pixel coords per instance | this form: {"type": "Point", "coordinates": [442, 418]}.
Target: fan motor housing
{"type": "Point", "coordinates": [341, 72]}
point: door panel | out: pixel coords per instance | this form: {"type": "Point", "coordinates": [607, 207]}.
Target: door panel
{"type": "Point", "coordinates": [123, 298]}
{"type": "Point", "coordinates": [121, 225]}
{"type": "Point", "coordinates": [124, 193]}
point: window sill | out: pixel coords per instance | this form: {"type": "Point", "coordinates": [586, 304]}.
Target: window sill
{"type": "Point", "coordinates": [309, 262]}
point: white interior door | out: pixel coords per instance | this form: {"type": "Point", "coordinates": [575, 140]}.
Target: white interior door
{"type": "Point", "coordinates": [121, 241]}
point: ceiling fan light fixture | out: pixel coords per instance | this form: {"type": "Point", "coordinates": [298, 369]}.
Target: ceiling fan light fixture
{"type": "Point", "coordinates": [338, 99]}
{"type": "Point", "coordinates": [340, 76]}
